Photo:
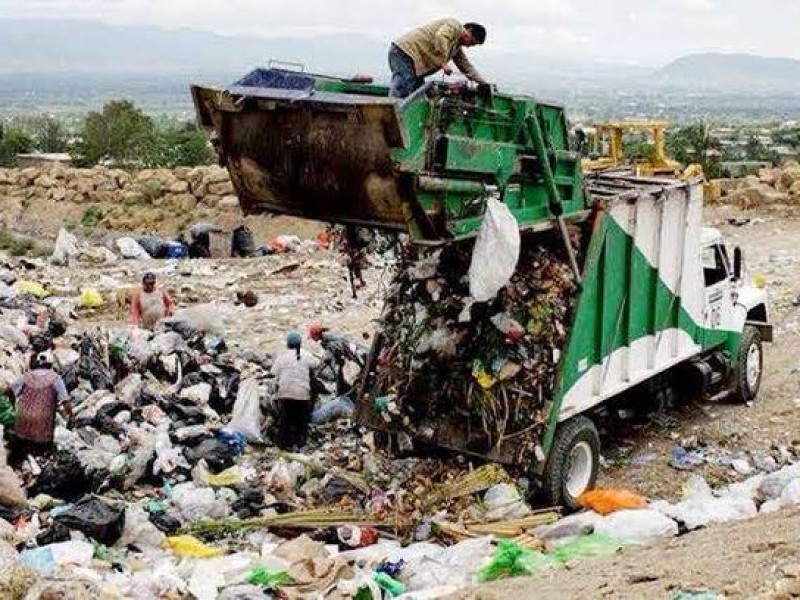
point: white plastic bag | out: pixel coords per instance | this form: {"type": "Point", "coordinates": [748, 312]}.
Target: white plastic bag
{"type": "Point", "coordinates": [568, 527]}
{"type": "Point", "coordinates": [66, 247]}
{"type": "Point", "coordinates": [130, 248]}
{"type": "Point", "coordinates": [641, 526]}
{"type": "Point", "coordinates": [168, 457]}
{"type": "Point", "coordinates": [139, 531]}
{"type": "Point", "coordinates": [205, 318]}
{"type": "Point", "coordinates": [456, 566]}
{"type": "Point", "coordinates": [700, 507]}
{"type": "Point", "coordinates": [496, 252]}
{"type": "Point", "coordinates": [198, 394]}
{"type": "Point", "coordinates": [247, 417]}
{"type": "Point", "coordinates": [504, 502]}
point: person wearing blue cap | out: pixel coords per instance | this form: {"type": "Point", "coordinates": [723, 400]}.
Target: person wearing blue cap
{"type": "Point", "coordinates": [294, 371]}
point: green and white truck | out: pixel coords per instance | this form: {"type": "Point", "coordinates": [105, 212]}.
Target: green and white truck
{"type": "Point", "coordinates": [658, 295]}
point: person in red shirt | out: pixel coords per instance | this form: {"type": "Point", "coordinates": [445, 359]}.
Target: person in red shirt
{"type": "Point", "coordinates": [149, 305]}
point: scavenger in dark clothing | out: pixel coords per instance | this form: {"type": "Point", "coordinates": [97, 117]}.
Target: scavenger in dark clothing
{"type": "Point", "coordinates": [294, 371]}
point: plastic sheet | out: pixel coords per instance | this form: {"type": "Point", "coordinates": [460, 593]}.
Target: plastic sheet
{"type": "Point", "coordinates": [95, 518]}
{"type": "Point", "coordinates": [66, 247]}
{"type": "Point", "coordinates": [246, 417]}
{"type": "Point", "coordinates": [131, 249]}
{"type": "Point", "coordinates": [512, 560]}
{"type": "Point", "coordinates": [642, 526]}
{"type": "Point", "coordinates": [91, 298]}
{"type": "Point", "coordinates": [496, 252]}
{"type": "Point", "coordinates": [188, 545]}
{"type": "Point", "coordinates": [700, 507]}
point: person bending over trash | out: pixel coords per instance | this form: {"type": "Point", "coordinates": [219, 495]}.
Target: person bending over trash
{"type": "Point", "coordinates": [429, 49]}
{"type": "Point", "coordinates": [38, 394]}
{"type": "Point", "coordinates": [149, 305]}
{"type": "Point", "coordinates": [338, 350]}
{"type": "Point", "coordinates": [294, 371]}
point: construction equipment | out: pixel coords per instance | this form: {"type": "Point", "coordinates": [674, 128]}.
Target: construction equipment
{"type": "Point", "coordinates": [658, 293]}
{"type": "Point", "coordinates": [612, 136]}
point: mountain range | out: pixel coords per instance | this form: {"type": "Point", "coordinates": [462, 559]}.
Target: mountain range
{"type": "Point", "coordinates": [70, 67]}
{"type": "Point", "coordinates": [69, 48]}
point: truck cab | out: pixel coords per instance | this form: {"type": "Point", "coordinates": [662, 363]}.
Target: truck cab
{"type": "Point", "coordinates": [734, 306]}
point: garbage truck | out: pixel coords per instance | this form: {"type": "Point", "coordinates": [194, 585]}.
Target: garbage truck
{"type": "Point", "coordinates": [647, 298]}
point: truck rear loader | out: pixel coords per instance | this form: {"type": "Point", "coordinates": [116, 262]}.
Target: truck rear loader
{"type": "Point", "coordinates": [657, 298]}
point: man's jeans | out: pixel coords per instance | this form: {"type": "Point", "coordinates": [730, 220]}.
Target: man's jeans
{"type": "Point", "coordinates": [404, 76]}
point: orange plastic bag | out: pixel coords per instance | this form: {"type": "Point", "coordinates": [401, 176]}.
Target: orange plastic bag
{"type": "Point", "coordinates": [608, 501]}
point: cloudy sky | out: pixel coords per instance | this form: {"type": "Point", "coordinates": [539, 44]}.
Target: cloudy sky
{"type": "Point", "coordinates": [636, 31]}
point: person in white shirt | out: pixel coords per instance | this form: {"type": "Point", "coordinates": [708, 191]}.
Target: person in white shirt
{"type": "Point", "coordinates": [294, 371]}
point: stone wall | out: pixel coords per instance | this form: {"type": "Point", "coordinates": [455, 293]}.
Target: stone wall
{"type": "Point", "coordinates": [182, 189]}
{"type": "Point", "coordinates": [37, 201]}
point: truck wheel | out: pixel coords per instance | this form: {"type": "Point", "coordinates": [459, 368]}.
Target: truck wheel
{"type": "Point", "coordinates": [571, 468]}
{"type": "Point", "coordinates": [748, 368]}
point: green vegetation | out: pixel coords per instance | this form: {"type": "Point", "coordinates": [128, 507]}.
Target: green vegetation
{"type": "Point", "coordinates": [693, 144]}
{"type": "Point", "coordinates": [50, 135]}
{"type": "Point", "coordinates": [91, 217]}
{"type": "Point", "coordinates": [15, 245]}
{"type": "Point", "coordinates": [123, 135]}
{"type": "Point", "coordinates": [13, 141]}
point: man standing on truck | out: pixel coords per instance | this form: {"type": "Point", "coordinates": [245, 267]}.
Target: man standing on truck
{"type": "Point", "coordinates": [430, 48]}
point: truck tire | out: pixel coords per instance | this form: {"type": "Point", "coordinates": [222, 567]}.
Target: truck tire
{"type": "Point", "coordinates": [572, 465]}
{"type": "Point", "coordinates": [748, 367]}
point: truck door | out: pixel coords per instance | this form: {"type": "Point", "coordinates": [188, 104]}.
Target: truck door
{"type": "Point", "coordinates": [719, 301]}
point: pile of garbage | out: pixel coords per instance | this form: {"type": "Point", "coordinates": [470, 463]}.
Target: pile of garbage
{"type": "Point", "coordinates": [165, 482]}
{"type": "Point", "coordinates": [443, 356]}
{"type": "Point", "coordinates": [238, 244]}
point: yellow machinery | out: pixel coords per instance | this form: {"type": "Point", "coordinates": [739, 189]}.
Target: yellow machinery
{"type": "Point", "coordinates": [613, 135]}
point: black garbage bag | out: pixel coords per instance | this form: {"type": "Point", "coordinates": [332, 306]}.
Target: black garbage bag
{"type": "Point", "coordinates": [183, 329]}
{"type": "Point", "coordinates": [249, 503]}
{"type": "Point", "coordinates": [164, 522]}
{"type": "Point", "coordinates": [57, 532]}
{"type": "Point", "coordinates": [242, 244]}
{"type": "Point", "coordinates": [70, 377]}
{"type": "Point", "coordinates": [56, 328]}
{"type": "Point", "coordinates": [191, 380]}
{"type": "Point", "coordinates": [91, 367]}
{"type": "Point", "coordinates": [155, 247]}
{"type": "Point", "coordinates": [63, 477]}
{"type": "Point", "coordinates": [95, 518]}
{"type": "Point", "coordinates": [183, 415]}
{"type": "Point", "coordinates": [218, 455]}
{"type": "Point", "coordinates": [104, 419]}
{"type": "Point", "coordinates": [41, 342]}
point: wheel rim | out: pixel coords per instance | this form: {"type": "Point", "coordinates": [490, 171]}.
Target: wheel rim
{"type": "Point", "coordinates": [579, 474]}
{"type": "Point", "coordinates": [753, 366]}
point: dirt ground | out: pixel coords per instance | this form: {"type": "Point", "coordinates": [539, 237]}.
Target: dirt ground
{"type": "Point", "coordinates": [759, 558]}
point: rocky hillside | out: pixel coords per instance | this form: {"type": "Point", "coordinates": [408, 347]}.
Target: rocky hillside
{"type": "Point", "coordinates": [779, 185]}
{"type": "Point", "coordinates": [38, 201]}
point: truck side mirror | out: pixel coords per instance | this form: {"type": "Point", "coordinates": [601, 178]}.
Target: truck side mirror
{"type": "Point", "coordinates": [738, 263]}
